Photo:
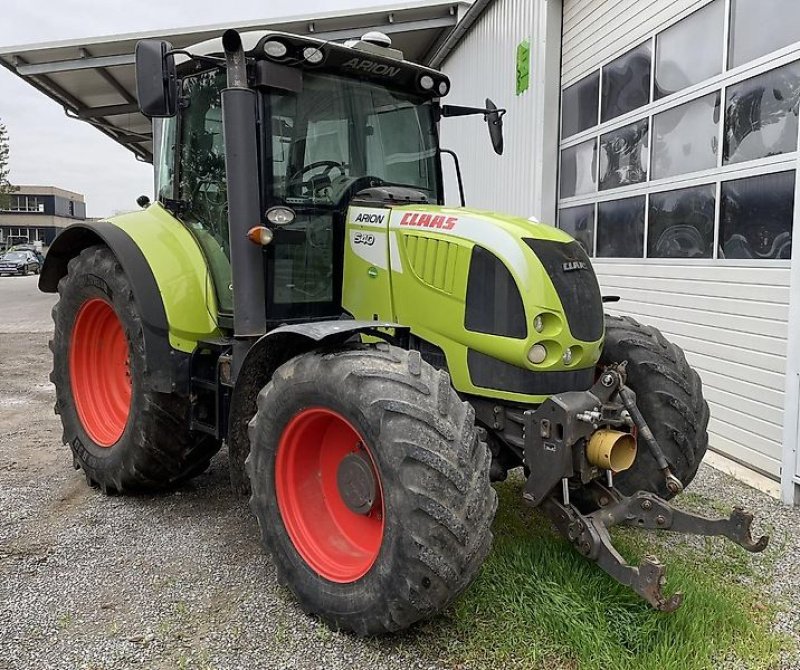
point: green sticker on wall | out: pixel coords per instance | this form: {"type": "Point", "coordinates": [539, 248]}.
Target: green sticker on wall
{"type": "Point", "coordinates": [523, 66]}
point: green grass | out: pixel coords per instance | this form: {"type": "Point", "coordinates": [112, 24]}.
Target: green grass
{"type": "Point", "coordinates": [538, 604]}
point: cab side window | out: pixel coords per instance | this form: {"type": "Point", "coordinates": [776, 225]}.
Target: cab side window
{"type": "Point", "coordinates": [202, 187]}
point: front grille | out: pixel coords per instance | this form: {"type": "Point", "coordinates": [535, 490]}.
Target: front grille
{"type": "Point", "coordinates": [574, 280]}
{"type": "Point", "coordinates": [491, 373]}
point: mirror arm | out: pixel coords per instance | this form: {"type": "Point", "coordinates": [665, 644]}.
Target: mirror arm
{"type": "Point", "coordinates": [458, 110]}
{"type": "Point", "coordinates": [210, 60]}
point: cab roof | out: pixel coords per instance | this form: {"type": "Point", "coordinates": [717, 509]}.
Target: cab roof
{"type": "Point", "coordinates": [93, 79]}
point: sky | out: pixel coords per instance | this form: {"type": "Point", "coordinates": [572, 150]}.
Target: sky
{"type": "Point", "coordinates": [47, 148]}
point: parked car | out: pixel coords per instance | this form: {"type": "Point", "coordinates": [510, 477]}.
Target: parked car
{"type": "Point", "coordinates": [19, 263]}
{"type": "Point", "coordinates": [32, 249]}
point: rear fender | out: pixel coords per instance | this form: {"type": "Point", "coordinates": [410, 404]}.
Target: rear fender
{"type": "Point", "coordinates": [169, 279]}
{"type": "Point", "coordinates": [270, 352]}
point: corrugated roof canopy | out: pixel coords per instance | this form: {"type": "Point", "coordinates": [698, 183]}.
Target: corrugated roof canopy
{"type": "Point", "coordinates": [94, 78]}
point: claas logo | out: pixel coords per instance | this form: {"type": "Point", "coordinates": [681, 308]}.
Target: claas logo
{"type": "Point", "coordinates": [420, 220]}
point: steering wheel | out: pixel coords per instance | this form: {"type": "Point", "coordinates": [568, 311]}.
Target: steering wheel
{"type": "Point", "coordinates": [297, 179]}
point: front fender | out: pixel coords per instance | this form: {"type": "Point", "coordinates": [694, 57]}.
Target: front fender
{"type": "Point", "coordinates": [271, 351]}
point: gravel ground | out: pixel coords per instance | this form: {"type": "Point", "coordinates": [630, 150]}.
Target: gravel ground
{"type": "Point", "coordinates": [179, 580]}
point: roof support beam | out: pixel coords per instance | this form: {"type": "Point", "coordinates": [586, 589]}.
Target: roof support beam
{"type": "Point", "coordinates": [34, 69]}
{"type": "Point", "coordinates": [110, 79]}
{"type": "Point", "coordinates": [108, 110]}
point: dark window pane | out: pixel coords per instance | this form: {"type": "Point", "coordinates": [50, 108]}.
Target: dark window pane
{"type": "Point", "coordinates": [761, 115]}
{"type": "Point", "coordinates": [681, 223]}
{"type": "Point", "coordinates": [620, 228]}
{"type": "Point", "coordinates": [759, 27]}
{"type": "Point", "coordinates": [579, 105]}
{"type": "Point", "coordinates": [626, 82]}
{"type": "Point", "coordinates": [578, 168]}
{"type": "Point", "coordinates": [624, 155]}
{"type": "Point", "coordinates": [685, 138]}
{"type": "Point", "coordinates": [579, 222]}
{"type": "Point", "coordinates": [756, 217]}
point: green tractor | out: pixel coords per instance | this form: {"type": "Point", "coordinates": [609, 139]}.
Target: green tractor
{"type": "Point", "coordinates": [372, 359]}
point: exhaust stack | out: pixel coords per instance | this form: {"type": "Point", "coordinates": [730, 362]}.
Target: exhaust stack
{"type": "Point", "coordinates": [241, 167]}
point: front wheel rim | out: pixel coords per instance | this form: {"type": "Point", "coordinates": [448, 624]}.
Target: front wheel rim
{"type": "Point", "coordinates": [339, 544]}
{"type": "Point", "coordinates": [99, 369]}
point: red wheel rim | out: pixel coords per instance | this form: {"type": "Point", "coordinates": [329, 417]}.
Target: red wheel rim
{"type": "Point", "coordinates": [336, 542]}
{"type": "Point", "coordinates": [99, 372]}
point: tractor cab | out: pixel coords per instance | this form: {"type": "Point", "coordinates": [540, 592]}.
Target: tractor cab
{"type": "Point", "coordinates": [336, 123]}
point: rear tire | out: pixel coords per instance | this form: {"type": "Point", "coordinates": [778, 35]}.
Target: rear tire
{"type": "Point", "coordinates": [432, 474]}
{"type": "Point", "coordinates": [669, 394]}
{"type": "Point", "coordinates": [124, 436]}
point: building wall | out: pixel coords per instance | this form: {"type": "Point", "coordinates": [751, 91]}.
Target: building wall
{"type": "Point", "coordinates": [729, 314]}
{"type": "Point", "coordinates": [484, 65]}
{"type": "Point", "coordinates": [732, 324]}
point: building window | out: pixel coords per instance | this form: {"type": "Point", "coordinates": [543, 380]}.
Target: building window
{"type": "Point", "coordinates": [26, 203]}
{"type": "Point", "coordinates": [626, 83]}
{"type": "Point", "coordinates": [759, 27]}
{"type": "Point", "coordinates": [685, 138]}
{"type": "Point", "coordinates": [578, 169]}
{"type": "Point", "coordinates": [756, 217]}
{"type": "Point", "coordinates": [624, 156]}
{"type": "Point", "coordinates": [579, 222]}
{"type": "Point", "coordinates": [690, 51]}
{"type": "Point", "coordinates": [681, 223]}
{"type": "Point", "coordinates": [620, 228]}
{"type": "Point", "coordinates": [579, 105]}
{"type": "Point", "coordinates": [705, 165]}
{"type": "Point", "coordinates": [761, 115]}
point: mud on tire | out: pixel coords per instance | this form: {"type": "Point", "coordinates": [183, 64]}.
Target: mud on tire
{"type": "Point", "coordinates": [433, 473]}
{"type": "Point", "coordinates": [670, 396]}
{"type": "Point", "coordinates": [155, 448]}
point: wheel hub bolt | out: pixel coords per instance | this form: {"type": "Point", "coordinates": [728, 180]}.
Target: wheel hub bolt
{"type": "Point", "coordinates": [660, 520]}
{"type": "Point", "coordinates": [647, 505]}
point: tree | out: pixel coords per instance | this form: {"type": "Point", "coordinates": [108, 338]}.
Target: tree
{"type": "Point", "coordinates": [6, 188]}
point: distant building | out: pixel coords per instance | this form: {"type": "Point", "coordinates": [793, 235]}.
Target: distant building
{"type": "Point", "coordinates": [38, 214]}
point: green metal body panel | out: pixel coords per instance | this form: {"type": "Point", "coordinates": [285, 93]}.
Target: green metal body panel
{"type": "Point", "coordinates": [180, 271]}
{"type": "Point", "coordinates": [410, 264]}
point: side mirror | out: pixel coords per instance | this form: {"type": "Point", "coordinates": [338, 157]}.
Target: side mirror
{"type": "Point", "coordinates": [156, 79]}
{"type": "Point", "coordinates": [494, 118]}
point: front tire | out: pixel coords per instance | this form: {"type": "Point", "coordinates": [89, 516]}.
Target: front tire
{"type": "Point", "coordinates": [124, 436]}
{"type": "Point", "coordinates": [376, 551]}
{"type": "Point", "coordinates": [669, 394]}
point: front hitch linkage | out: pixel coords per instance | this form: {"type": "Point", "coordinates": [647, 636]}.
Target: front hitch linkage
{"type": "Point", "coordinates": [589, 535]}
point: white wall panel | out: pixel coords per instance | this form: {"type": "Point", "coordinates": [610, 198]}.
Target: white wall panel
{"type": "Point", "coordinates": [732, 321]}
{"type": "Point", "coordinates": [483, 65]}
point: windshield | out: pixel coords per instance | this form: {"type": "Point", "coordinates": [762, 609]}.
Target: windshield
{"type": "Point", "coordinates": [15, 256]}
{"type": "Point", "coordinates": [339, 134]}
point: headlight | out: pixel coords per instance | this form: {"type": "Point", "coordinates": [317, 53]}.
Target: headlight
{"type": "Point", "coordinates": [275, 49]}
{"type": "Point", "coordinates": [426, 82]}
{"type": "Point", "coordinates": [537, 354]}
{"type": "Point", "coordinates": [312, 55]}
{"type": "Point", "coordinates": [280, 216]}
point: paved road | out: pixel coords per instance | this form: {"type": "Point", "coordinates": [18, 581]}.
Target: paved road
{"type": "Point", "coordinates": [23, 308]}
